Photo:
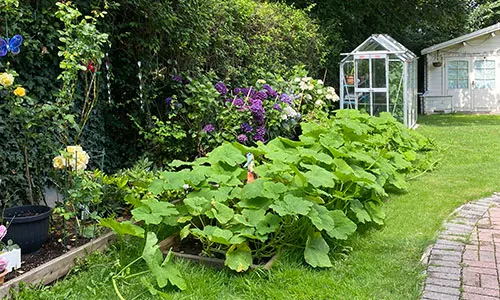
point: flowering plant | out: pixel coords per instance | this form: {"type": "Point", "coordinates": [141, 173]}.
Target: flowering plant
{"type": "Point", "coordinates": [73, 157]}
{"type": "Point", "coordinates": [206, 112]}
{"type": "Point", "coordinates": [6, 246]}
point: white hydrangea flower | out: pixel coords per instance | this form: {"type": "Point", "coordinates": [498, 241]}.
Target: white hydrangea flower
{"type": "Point", "coordinates": [320, 82]}
{"type": "Point", "coordinates": [297, 79]}
{"type": "Point", "coordinates": [319, 103]}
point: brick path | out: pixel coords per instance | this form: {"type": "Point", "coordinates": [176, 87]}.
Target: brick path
{"type": "Point", "coordinates": [464, 263]}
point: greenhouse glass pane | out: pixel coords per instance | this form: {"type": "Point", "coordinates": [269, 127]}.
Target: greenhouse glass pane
{"type": "Point", "coordinates": [379, 103]}
{"type": "Point", "coordinates": [363, 70]}
{"type": "Point", "coordinates": [378, 73]}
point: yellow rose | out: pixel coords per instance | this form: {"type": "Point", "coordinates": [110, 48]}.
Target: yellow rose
{"type": "Point", "coordinates": [6, 79]}
{"type": "Point", "coordinates": [73, 149]}
{"type": "Point", "coordinates": [58, 162]}
{"type": "Point", "coordinates": [19, 91]}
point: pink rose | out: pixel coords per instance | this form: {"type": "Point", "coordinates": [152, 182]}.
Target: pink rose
{"type": "Point", "coordinates": [3, 231]}
{"type": "Point", "coordinates": [3, 264]}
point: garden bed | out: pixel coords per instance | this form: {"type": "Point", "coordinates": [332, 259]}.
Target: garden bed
{"type": "Point", "coordinates": [57, 267]}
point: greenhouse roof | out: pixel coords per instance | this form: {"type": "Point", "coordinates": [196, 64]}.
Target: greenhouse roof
{"type": "Point", "coordinates": [383, 44]}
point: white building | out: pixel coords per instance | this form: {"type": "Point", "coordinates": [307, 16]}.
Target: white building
{"type": "Point", "coordinates": [463, 74]}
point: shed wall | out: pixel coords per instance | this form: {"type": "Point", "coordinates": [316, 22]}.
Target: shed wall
{"type": "Point", "coordinates": [439, 97]}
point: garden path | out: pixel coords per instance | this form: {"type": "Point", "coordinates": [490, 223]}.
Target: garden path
{"type": "Point", "coordinates": [464, 263]}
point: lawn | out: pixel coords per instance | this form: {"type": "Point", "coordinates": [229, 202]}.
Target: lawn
{"type": "Point", "coordinates": [383, 263]}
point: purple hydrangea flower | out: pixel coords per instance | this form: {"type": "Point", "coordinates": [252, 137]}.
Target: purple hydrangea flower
{"type": "Point", "coordinates": [277, 107]}
{"type": "Point", "coordinates": [256, 107]}
{"type": "Point", "coordinates": [258, 119]}
{"type": "Point", "coordinates": [236, 91]}
{"type": "Point", "coordinates": [208, 128]}
{"type": "Point", "coordinates": [261, 95]}
{"type": "Point", "coordinates": [246, 128]}
{"type": "Point", "coordinates": [248, 92]}
{"type": "Point", "coordinates": [3, 231]}
{"type": "Point", "coordinates": [221, 88]}
{"type": "Point", "coordinates": [270, 90]}
{"type": "Point", "coordinates": [261, 130]}
{"type": "Point", "coordinates": [177, 78]}
{"type": "Point", "coordinates": [286, 98]}
{"type": "Point", "coordinates": [238, 102]}
{"type": "Point", "coordinates": [242, 138]}
{"type": "Point", "coordinates": [168, 101]}
{"type": "Point", "coordinates": [258, 137]}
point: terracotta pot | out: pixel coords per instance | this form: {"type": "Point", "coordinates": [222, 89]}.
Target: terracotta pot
{"type": "Point", "coordinates": [2, 276]}
{"type": "Point", "coordinates": [349, 79]}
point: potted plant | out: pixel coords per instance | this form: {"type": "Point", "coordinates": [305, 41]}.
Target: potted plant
{"type": "Point", "coordinates": [349, 79]}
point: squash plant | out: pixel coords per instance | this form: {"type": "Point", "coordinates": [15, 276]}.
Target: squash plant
{"type": "Point", "coordinates": [308, 194]}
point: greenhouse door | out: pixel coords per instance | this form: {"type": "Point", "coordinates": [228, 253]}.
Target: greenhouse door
{"type": "Point", "coordinates": [371, 82]}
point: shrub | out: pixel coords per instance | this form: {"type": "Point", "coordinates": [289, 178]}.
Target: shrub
{"type": "Point", "coordinates": [308, 193]}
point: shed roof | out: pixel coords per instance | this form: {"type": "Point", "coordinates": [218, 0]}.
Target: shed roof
{"type": "Point", "coordinates": [462, 38]}
{"type": "Point", "coordinates": [383, 43]}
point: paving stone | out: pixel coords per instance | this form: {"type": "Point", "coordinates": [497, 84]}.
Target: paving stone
{"type": "Point", "coordinates": [480, 270]}
{"type": "Point", "coordinates": [469, 296]}
{"type": "Point", "coordinates": [449, 270]}
{"type": "Point", "coordinates": [479, 264]}
{"type": "Point", "coordinates": [471, 279]}
{"type": "Point", "coordinates": [486, 256]}
{"type": "Point", "coordinates": [481, 291]}
{"type": "Point", "coordinates": [447, 276]}
{"type": "Point", "coordinates": [489, 281]}
{"type": "Point", "coordinates": [444, 263]}
{"type": "Point", "coordinates": [456, 259]}
{"type": "Point", "coordinates": [447, 247]}
{"type": "Point", "coordinates": [443, 289]}
{"type": "Point", "coordinates": [439, 296]}
{"type": "Point", "coordinates": [443, 282]}
{"type": "Point", "coordinates": [471, 255]}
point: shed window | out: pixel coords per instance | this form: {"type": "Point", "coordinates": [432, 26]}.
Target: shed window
{"type": "Point", "coordinates": [458, 74]}
{"type": "Point", "coordinates": [484, 71]}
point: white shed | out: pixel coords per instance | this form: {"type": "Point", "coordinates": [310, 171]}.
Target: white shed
{"type": "Point", "coordinates": [463, 74]}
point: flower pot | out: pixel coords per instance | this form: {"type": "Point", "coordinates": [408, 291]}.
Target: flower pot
{"type": "Point", "coordinates": [28, 226]}
{"type": "Point", "coordinates": [2, 276]}
{"type": "Point", "coordinates": [349, 80]}
{"type": "Point", "coordinates": [437, 64]}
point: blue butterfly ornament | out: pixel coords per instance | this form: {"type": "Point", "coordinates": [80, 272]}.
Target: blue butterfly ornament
{"type": "Point", "coordinates": [13, 45]}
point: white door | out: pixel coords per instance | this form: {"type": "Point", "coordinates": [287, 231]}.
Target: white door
{"type": "Point", "coordinates": [457, 82]}
{"type": "Point", "coordinates": [484, 84]}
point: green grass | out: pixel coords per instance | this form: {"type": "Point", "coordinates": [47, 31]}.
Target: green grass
{"type": "Point", "coordinates": [383, 263]}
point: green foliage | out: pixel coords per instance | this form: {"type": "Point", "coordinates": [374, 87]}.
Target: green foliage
{"type": "Point", "coordinates": [300, 198]}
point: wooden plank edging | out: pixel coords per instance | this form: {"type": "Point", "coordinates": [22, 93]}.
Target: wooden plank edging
{"type": "Point", "coordinates": [58, 267]}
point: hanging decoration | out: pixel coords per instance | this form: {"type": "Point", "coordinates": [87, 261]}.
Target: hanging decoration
{"type": "Point", "coordinates": [12, 45]}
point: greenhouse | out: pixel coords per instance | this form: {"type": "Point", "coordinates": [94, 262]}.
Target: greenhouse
{"type": "Point", "coordinates": [380, 75]}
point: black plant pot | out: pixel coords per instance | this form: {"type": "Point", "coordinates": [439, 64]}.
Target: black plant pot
{"type": "Point", "coordinates": [28, 226]}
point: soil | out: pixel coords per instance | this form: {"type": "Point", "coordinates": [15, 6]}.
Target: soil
{"type": "Point", "coordinates": [52, 248]}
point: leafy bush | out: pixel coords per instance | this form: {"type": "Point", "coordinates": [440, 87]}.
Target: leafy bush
{"type": "Point", "coordinates": [308, 194]}
{"type": "Point", "coordinates": [201, 115]}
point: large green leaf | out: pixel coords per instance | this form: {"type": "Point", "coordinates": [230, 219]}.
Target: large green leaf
{"type": "Point", "coordinates": [291, 205]}
{"type": "Point", "coordinates": [174, 180]}
{"type": "Point", "coordinates": [360, 212]}
{"type": "Point", "coordinates": [343, 226]}
{"type": "Point", "coordinates": [197, 205]}
{"type": "Point", "coordinates": [226, 153]}
{"type": "Point", "coordinates": [122, 228]}
{"type": "Point", "coordinates": [321, 218]}
{"type": "Point", "coordinates": [239, 257]}
{"type": "Point", "coordinates": [222, 212]}
{"type": "Point", "coordinates": [376, 212]}
{"type": "Point", "coordinates": [215, 234]}
{"type": "Point", "coordinates": [153, 211]}
{"type": "Point", "coordinates": [318, 176]}
{"type": "Point", "coordinates": [163, 272]}
{"type": "Point", "coordinates": [316, 252]}
{"type": "Point", "coordinates": [156, 186]}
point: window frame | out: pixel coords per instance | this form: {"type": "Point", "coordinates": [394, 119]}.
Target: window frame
{"type": "Point", "coordinates": [457, 79]}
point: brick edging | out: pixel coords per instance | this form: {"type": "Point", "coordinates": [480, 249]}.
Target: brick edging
{"type": "Point", "coordinates": [444, 259]}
